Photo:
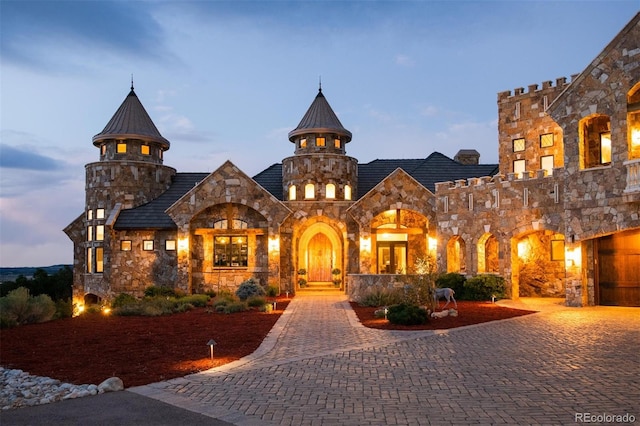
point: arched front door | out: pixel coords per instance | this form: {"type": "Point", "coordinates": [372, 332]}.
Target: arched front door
{"type": "Point", "coordinates": [319, 258]}
{"type": "Point", "coordinates": [319, 252]}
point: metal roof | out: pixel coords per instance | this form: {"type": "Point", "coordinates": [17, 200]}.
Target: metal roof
{"type": "Point", "coordinates": [131, 121]}
{"type": "Point", "coordinates": [320, 118]}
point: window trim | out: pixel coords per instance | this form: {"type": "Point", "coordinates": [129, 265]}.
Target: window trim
{"type": "Point", "coordinates": [147, 245]}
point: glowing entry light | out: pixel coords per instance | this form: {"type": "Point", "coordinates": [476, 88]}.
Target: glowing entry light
{"type": "Point", "coordinates": [365, 243]}
{"type": "Point", "coordinates": [211, 343]}
{"type": "Point", "coordinates": [523, 249]}
{"type": "Point", "coordinates": [274, 244]}
{"type": "Point", "coordinates": [106, 310]}
{"type": "Point", "coordinates": [572, 257]}
{"type": "Point", "coordinates": [183, 244]}
{"type": "Point", "coordinates": [433, 243]}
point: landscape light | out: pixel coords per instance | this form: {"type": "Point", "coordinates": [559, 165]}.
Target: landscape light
{"type": "Point", "coordinates": [211, 343]}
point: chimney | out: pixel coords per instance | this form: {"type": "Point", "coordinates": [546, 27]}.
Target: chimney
{"type": "Point", "coordinates": [467, 156]}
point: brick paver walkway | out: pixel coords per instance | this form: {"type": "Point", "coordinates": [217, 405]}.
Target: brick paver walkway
{"type": "Point", "coordinates": [319, 366]}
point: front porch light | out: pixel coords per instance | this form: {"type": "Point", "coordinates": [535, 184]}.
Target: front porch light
{"type": "Point", "coordinates": [432, 243]}
{"type": "Point", "coordinates": [183, 244]}
{"type": "Point", "coordinates": [274, 244]}
{"type": "Point", "coordinates": [365, 243]}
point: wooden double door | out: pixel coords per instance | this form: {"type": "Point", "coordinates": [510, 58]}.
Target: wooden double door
{"type": "Point", "coordinates": [618, 269]}
{"type": "Point", "coordinates": [320, 258]}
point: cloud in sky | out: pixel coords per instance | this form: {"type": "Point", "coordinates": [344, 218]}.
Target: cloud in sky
{"type": "Point", "coordinates": [227, 80]}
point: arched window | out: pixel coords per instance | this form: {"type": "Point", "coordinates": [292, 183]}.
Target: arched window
{"type": "Point", "coordinates": [633, 122]}
{"type": "Point", "coordinates": [347, 192]}
{"type": "Point", "coordinates": [330, 191]}
{"type": "Point", "coordinates": [292, 192]}
{"type": "Point", "coordinates": [309, 191]}
{"type": "Point", "coordinates": [595, 141]}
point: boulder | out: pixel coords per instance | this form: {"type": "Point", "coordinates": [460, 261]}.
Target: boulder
{"type": "Point", "coordinates": [112, 384]}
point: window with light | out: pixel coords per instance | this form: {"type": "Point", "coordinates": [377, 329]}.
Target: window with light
{"type": "Point", "coordinates": [230, 251]}
{"type": "Point", "coordinates": [292, 192]}
{"type": "Point", "coordinates": [309, 191]}
{"type": "Point", "coordinates": [330, 191]}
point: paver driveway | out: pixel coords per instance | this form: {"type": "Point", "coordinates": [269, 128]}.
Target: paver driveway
{"type": "Point", "coordinates": [320, 366]}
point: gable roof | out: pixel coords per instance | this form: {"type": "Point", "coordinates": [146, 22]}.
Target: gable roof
{"type": "Point", "coordinates": [320, 118]}
{"type": "Point", "coordinates": [427, 171]}
{"type": "Point", "coordinates": [152, 215]}
{"type": "Point", "coordinates": [271, 180]}
{"type": "Point", "coordinates": [131, 121]}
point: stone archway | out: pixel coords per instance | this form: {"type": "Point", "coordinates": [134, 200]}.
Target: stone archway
{"type": "Point", "coordinates": [488, 258]}
{"type": "Point", "coordinates": [456, 249]}
{"type": "Point", "coordinates": [319, 251]}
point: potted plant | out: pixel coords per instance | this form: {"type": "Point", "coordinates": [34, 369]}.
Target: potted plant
{"type": "Point", "coordinates": [336, 277]}
{"type": "Point", "coordinates": [302, 282]}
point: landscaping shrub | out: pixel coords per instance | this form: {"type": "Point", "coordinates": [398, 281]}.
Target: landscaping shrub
{"type": "Point", "coordinates": [256, 301]}
{"type": "Point", "coordinates": [196, 300]}
{"type": "Point", "coordinates": [454, 281]}
{"type": "Point", "coordinates": [272, 291]}
{"type": "Point", "coordinates": [267, 307]}
{"type": "Point", "coordinates": [64, 309]}
{"type": "Point", "coordinates": [159, 291]}
{"type": "Point", "coordinates": [483, 287]}
{"type": "Point", "coordinates": [233, 307]}
{"type": "Point", "coordinates": [123, 299]}
{"type": "Point", "coordinates": [18, 307]}
{"type": "Point", "coordinates": [183, 306]}
{"type": "Point", "coordinates": [405, 314]}
{"type": "Point", "coordinates": [249, 288]}
{"type": "Point", "coordinates": [377, 296]}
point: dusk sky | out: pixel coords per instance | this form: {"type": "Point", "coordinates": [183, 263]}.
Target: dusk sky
{"type": "Point", "coordinates": [228, 80]}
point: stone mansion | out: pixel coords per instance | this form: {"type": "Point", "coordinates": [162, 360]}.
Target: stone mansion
{"type": "Point", "coordinates": [558, 216]}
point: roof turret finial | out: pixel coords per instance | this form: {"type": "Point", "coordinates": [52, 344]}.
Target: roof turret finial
{"type": "Point", "coordinates": [131, 81]}
{"type": "Point", "coordinates": [320, 84]}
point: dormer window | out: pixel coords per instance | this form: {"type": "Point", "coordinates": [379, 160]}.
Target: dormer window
{"type": "Point", "coordinates": [320, 142]}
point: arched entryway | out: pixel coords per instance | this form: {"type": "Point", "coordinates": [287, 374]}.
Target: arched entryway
{"type": "Point", "coordinates": [456, 249]}
{"type": "Point", "coordinates": [319, 252]}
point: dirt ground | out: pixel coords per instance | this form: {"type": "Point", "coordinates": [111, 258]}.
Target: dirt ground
{"type": "Point", "coordinates": [142, 350]}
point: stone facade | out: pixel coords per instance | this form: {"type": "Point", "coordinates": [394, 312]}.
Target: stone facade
{"type": "Point", "coordinates": [558, 216]}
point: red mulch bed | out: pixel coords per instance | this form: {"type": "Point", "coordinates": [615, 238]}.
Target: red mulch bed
{"type": "Point", "coordinates": [142, 350]}
{"type": "Point", "coordinates": [139, 350]}
{"type": "Point", "coordinates": [468, 313]}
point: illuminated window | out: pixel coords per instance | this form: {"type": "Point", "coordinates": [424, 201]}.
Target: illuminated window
{"type": "Point", "coordinates": [309, 191]}
{"type": "Point", "coordinates": [336, 143]}
{"type": "Point", "coordinates": [633, 122]}
{"type": "Point", "coordinates": [99, 232]}
{"type": "Point", "coordinates": [518, 145]}
{"type": "Point", "coordinates": [147, 245]}
{"type": "Point", "coordinates": [557, 249]}
{"type": "Point", "coordinates": [99, 260]}
{"type": "Point", "coordinates": [121, 148]}
{"type": "Point", "coordinates": [546, 164]}
{"type": "Point", "coordinates": [220, 224]}
{"type": "Point", "coordinates": [331, 191]}
{"type": "Point", "coordinates": [595, 141]}
{"type": "Point", "coordinates": [89, 214]}
{"type": "Point", "coordinates": [303, 143]}
{"type": "Point", "coordinates": [99, 213]}
{"type": "Point", "coordinates": [347, 192]}
{"type": "Point", "coordinates": [230, 251]}
{"type": "Point", "coordinates": [292, 192]}
{"type": "Point", "coordinates": [125, 245]}
{"type": "Point", "coordinates": [144, 150]}
{"type": "Point", "coordinates": [89, 233]}
{"type": "Point", "coordinates": [160, 154]}
{"type": "Point", "coordinates": [90, 260]}
{"type": "Point", "coordinates": [103, 149]}
{"type": "Point", "coordinates": [605, 148]}
{"type": "Point", "coordinates": [546, 140]}
{"type": "Point", "coordinates": [320, 142]}
{"type": "Point", "coordinates": [170, 245]}
{"type": "Point", "coordinates": [238, 224]}
{"type": "Point", "coordinates": [519, 166]}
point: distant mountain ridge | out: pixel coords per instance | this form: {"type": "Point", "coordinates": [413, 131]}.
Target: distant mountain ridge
{"type": "Point", "coordinates": [11, 274]}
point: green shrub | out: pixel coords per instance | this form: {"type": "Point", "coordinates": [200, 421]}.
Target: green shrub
{"type": "Point", "coordinates": [233, 307]}
{"type": "Point", "coordinates": [376, 296]}
{"type": "Point", "coordinates": [483, 287]}
{"type": "Point", "coordinates": [159, 291]}
{"type": "Point", "coordinates": [123, 299]}
{"type": "Point", "coordinates": [196, 300]}
{"type": "Point", "coordinates": [64, 309]}
{"type": "Point", "coordinates": [256, 301]}
{"type": "Point", "coordinates": [183, 307]}
{"type": "Point", "coordinates": [249, 288]}
{"type": "Point", "coordinates": [454, 281]}
{"type": "Point", "coordinates": [267, 307]}
{"type": "Point", "coordinates": [18, 307]}
{"type": "Point", "coordinates": [272, 291]}
{"type": "Point", "coordinates": [405, 314]}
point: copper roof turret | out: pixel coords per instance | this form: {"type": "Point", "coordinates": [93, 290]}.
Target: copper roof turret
{"type": "Point", "coordinates": [131, 121]}
{"type": "Point", "coordinates": [320, 118]}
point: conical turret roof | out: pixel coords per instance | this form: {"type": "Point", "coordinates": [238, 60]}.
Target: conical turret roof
{"type": "Point", "coordinates": [320, 118]}
{"type": "Point", "coordinates": [131, 121]}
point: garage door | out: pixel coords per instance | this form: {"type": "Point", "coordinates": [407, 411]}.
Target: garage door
{"type": "Point", "coordinates": [619, 269]}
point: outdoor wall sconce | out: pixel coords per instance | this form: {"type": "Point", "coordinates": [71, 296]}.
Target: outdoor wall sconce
{"type": "Point", "coordinates": [211, 343]}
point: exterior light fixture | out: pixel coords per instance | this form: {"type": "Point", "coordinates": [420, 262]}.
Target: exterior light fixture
{"type": "Point", "coordinates": [211, 343]}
